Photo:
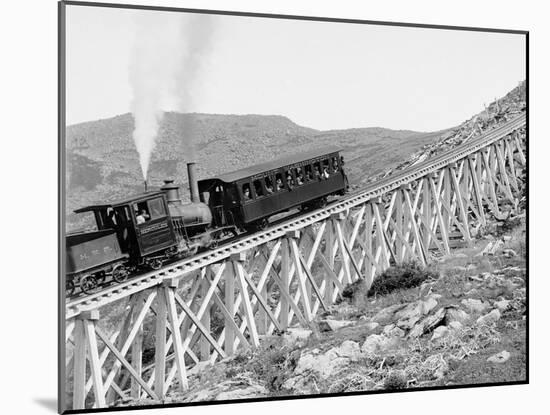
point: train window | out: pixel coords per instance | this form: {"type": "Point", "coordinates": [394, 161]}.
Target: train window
{"type": "Point", "coordinates": [309, 174]}
{"type": "Point", "coordinates": [246, 192]}
{"type": "Point", "coordinates": [258, 188]}
{"type": "Point", "coordinates": [141, 210]}
{"type": "Point", "coordinates": [289, 179]}
{"type": "Point", "coordinates": [299, 174]}
{"type": "Point", "coordinates": [335, 164]}
{"type": "Point", "coordinates": [156, 208]}
{"type": "Point", "coordinates": [268, 185]}
{"type": "Point", "coordinates": [279, 182]}
{"type": "Point", "coordinates": [83, 221]}
{"type": "Point", "coordinates": [107, 218]}
{"type": "Point", "coordinates": [326, 170]}
{"type": "Point", "coordinates": [231, 194]}
{"type": "Point", "coordinates": [317, 170]}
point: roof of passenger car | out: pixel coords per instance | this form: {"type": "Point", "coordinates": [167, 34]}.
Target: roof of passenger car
{"type": "Point", "coordinates": [272, 165]}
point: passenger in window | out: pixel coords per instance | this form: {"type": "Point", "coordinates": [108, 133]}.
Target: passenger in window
{"type": "Point", "coordinates": [268, 188]}
{"type": "Point", "coordinates": [325, 175]}
{"type": "Point", "coordinates": [334, 164]}
{"type": "Point", "coordinates": [299, 177]}
{"type": "Point", "coordinates": [258, 188]}
{"type": "Point", "coordinates": [317, 173]}
{"type": "Point", "coordinates": [279, 184]}
{"type": "Point", "coordinates": [142, 217]}
{"type": "Point", "coordinates": [289, 180]}
{"type": "Point", "coordinates": [246, 193]}
{"type": "Point", "coordinates": [111, 219]}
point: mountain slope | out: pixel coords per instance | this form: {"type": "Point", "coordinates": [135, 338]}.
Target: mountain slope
{"type": "Point", "coordinates": [102, 162]}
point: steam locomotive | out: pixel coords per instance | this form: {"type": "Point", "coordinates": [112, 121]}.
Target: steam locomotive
{"type": "Point", "coordinates": [146, 230]}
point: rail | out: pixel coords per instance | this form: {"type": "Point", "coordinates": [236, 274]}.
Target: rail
{"type": "Point", "coordinates": [374, 190]}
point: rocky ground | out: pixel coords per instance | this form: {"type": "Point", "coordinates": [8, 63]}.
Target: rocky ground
{"type": "Point", "coordinates": [465, 323]}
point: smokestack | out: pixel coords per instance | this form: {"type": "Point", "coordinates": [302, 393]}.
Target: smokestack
{"type": "Point", "coordinates": [172, 191]}
{"type": "Point", "coordinates": [193, 185]}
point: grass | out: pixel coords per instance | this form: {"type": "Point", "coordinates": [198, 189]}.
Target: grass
{"type": "Point", "coordinates": [394, 282]}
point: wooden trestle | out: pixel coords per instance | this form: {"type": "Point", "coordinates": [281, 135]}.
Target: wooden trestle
{"type": "Point", "coordinates": [222, 307]}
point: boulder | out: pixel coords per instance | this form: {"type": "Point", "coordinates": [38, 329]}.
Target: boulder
{"type": "Point", "coordinates": [455, 325]}
{"type": "Point", "coordinates": [323, 364]}
{"type": "Point", "coordinates": [428, 323]}
{"type": "Point", "coordinates": [499, 357]}
{"type": "Point", "coordinates": [440, 332]}
{"type": "Point", "coordinates": [474, 305]}
{"type": "Point", "coordinates": [455, 314]}
{"type": "Point", "coordinates": [349, 349]}
{"type": "Point", "coordinates": [333, 325]}
{"type": "Point", "coordinates": [509, 253]}
{"type": "Point", "coordinates": [387, 314]}
{"type": "Point", "coordinates": [413, 312]}
{"type": "Point", "coordinates": [378, 342]}
{"type": "Point", "coordinates": [239, 388]}
{"type": "Point", "coordinates": [489, 318]}
{"type": "Point", "coordinates": [502, 305]}
{"type": "Point", "coordinates": [296, 335]}
{"type": "Point", "coordinates": [371, 325]}
{"type": "Point", "coordinates": [441, 370]}
{"type": "Point", "coordinates": [327, 363]}
{"type": "Point", "coordinates": [391, 330]}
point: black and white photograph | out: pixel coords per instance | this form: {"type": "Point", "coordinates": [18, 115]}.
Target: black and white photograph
{"type": "Point", "coordinates": [259, 207]}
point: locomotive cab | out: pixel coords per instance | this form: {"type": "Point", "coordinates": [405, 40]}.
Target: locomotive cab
{"type": "Point", "coordinates": [142, 224]}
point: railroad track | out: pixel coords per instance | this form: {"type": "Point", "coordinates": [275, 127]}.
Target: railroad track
{"type": "Point", "coordinates": [374, 190]}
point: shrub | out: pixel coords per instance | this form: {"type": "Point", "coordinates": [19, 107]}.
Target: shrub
{"type": "Point", "coordinates": [354, 290]}
{"type": "Point", "coordinates": [400, 277]}
{"type": "Point", "coordinates": [272, 362]}
{"type": "Point", "coordinates": [395, 380]}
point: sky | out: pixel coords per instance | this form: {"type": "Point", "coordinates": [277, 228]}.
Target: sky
{"type": "Point", "coordinates": [322, 75]}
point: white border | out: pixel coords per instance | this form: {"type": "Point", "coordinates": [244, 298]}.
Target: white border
{"type": "Point", "coordinates": [29, 172]}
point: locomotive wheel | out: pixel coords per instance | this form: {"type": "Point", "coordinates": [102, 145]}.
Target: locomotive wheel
{"type": "Point", "coordinates": [69, 288]}
{"type": "Point", "coordinates": [321, 203]}
{"type": "Point", "coordinates": [155, 264]}
{"type": "Point", "coordinates": [262, 224]}
{"type": "Point", "coordinates": [88, 283]}
{"type": "Point", "coordinates": [120, 273]}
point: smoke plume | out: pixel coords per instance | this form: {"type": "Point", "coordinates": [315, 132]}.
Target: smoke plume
{"type": "Point", "coordinates": [166, 58]}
